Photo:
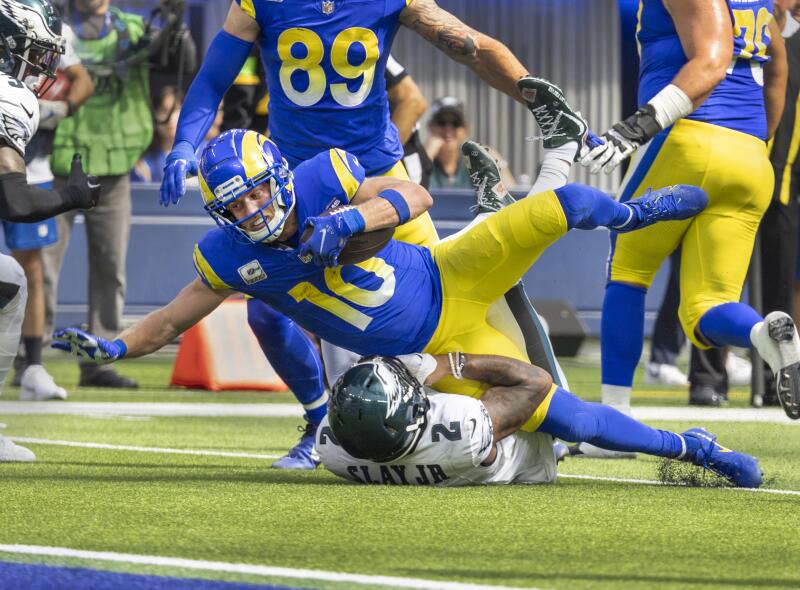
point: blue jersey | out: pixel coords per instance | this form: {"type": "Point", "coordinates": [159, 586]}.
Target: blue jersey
{"type": "Point", "coordinates": [738, 101]}
{"type": "Point", "coordinates": [389, 304]}
{"type": "Point", "coordinates": [325, 62]}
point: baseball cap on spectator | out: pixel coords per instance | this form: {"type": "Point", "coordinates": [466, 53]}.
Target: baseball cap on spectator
{"type": "Point", "coordinates": [447, 110]}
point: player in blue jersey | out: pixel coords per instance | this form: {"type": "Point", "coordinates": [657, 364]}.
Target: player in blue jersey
{"type": "Point", "coordinates": [325, 64]}
{"type": "Point", "coordinates": [404, 299]}
{"type": "Point", "coordinates": [711, 91]}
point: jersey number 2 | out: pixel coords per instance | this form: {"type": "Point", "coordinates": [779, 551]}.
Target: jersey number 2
{"type": "Point", "coordinates": [310, 64]}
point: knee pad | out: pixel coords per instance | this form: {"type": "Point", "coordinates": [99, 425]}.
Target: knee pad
{"type": "Point", "coordinates": [13, 284]}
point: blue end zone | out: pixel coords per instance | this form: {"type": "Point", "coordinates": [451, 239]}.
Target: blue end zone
{"type": "Point", "coordinates": [26, 576]}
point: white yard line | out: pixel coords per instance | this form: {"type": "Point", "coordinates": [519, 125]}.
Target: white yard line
{"type": "Point", "coordinates": [654, 482]}
{"type": "Point", "coordinates": [244, 568]}
{"type": "Point", "coordinates": [92, 445]}
{"type": "Point", "coordinates": [267, 410]}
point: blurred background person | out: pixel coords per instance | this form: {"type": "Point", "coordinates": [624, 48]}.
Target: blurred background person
{"type": "Point", "coordinates": [448, 129]}
{"type": "Point", "coordinates": [407, 105]}
{"type": "Point", "coordinates": [166, 110]}
{"type": "Point", "coordinates": [26, 240]}
{"type": "Point", "coordinates": [111, 131]}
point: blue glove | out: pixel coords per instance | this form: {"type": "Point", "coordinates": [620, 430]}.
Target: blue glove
{"type": "Point", "coordinates": [329, 236]}
{"type": "Point", "coordinates": [181, 162]}
{"type": "Point", "coordinates": [88, 345]}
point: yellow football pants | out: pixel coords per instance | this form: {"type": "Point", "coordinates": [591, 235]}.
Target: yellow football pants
{"type": "Point", "coordinates": [477, 267]}
{"type": "Point", "coordinates": [716, 245]}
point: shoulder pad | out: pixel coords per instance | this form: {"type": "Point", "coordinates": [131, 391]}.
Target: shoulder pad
{"type": "Point", "coordinates": [19, 113]}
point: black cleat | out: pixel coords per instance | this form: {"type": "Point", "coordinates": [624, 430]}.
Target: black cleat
{"type": "Point", "coordinates": [491, 194]}
{"type": "Point", "coordinates": [777, 342]}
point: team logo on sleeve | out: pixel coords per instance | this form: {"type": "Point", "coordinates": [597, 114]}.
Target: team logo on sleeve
{"type": "Point", "coordinates": [252, 272]}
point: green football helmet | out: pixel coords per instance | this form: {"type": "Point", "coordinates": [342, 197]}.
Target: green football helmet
{"type": "Point", "coordinates": [378, 410]}
{"type": "Point", "coordinates": [30, 42]}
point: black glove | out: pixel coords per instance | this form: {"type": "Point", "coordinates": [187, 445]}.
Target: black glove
{"type": "Point", "coordinates": [622, 140]}
{"type": "Point", "coordinates": [82, 190]}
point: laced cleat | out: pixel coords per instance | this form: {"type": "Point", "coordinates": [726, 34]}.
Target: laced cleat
{"type": "Point", "coordinates": [740, 469]}
{"type": "Point", "coordinates": [778, 344]}
{"type": "Point", "coordinates": [671, 203]}
{"type": "Point", "coordinates": [303, 455]}
{"type": "Point", "coordinates": [9, 452]}
{"type": "Point", "coordinates": [558, 123]}
{"type": "Point", "coordinates": [38, 385]}
{"type": "Point", "coordinates": [491, 194]}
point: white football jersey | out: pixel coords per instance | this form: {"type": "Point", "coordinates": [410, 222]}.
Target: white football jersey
{"type": "Point", "coordinates": [19, 113]}
{"type": "Point", "coordinates": [456, 440]}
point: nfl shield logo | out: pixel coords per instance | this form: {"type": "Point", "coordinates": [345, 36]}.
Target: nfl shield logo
{"type": "Point", "coordinates": [327, 7]}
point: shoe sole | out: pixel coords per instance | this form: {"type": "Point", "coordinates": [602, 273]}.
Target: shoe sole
{"type": "Point", "coordinates": [782, 331]}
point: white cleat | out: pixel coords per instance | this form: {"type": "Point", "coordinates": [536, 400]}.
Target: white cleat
{"type": "Point", "coordinates": [777, 342]}
{"type": "Point", "coordinates": [38, 385]}
{"type": "Point", "coordinates": [739, 370]}
{"type": "Point", "coordinates": [664, 374]}
{"type": "Point", "coordinates": [11, 452]}
{"type": "Point", "coordinates": [586, 450]}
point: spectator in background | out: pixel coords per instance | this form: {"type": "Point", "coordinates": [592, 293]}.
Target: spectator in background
{"type": "Point", "coordinates": [110, 132]}
{"type": "Point", "coordinates": [166, 110]}
{"type": "Point", "coordinates": [779, 226]}
{"type": "Point", "coordinates": [26, 240]}
{"type": "Point", "coordinates": [407, 105]}
{"type": "Point", "coordinates": [448, 130]}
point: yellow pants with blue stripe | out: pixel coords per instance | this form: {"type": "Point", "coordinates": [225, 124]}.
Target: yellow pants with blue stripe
{"type": "Point", "coordinates": [716, 245]}
{"type": "Point", "coordinates": [419, 231]}
{"type": "Point", "coordinates": [477, 267]}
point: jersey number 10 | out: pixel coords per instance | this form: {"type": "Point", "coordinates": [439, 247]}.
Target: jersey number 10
{"type": "Point", "coordinates": [310, 64]}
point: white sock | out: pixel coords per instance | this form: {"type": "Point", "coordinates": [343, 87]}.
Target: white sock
{"type": "Point", "coordinates": [556, 165]}
{"type": "Point", "coordinates": [617, 396]}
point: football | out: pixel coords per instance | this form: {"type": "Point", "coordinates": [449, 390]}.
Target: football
{"type": "Point", "coordinates": [360, 246]}
{"type": "Point", "coordinates": [59, 88]}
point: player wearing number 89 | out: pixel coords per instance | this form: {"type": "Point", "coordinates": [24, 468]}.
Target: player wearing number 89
{"type": "Point", "coordinates": [712, 87]}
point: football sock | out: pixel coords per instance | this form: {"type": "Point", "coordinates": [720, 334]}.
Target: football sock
{"type": "Point", "coordinates": [621, 333]}
{"type": "Point", "coordinates": [33, 350]}
{"type": "Point", "coordinates": [556, 164]}
{"type": "Point", "coordinates": [572, 419]}
{"type": "Point", "coordinates": [729, 324]}
{"type": "Point", "coordinates": [586, 207]}
{"type": "Point", "coordinates": [293, 356]}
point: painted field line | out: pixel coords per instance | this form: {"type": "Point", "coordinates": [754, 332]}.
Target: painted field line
{"type": "Point", "coordinates": [244, 568]}
{"type": "Point", "coordinates": [169, 409]}
{"type": "Point", "coordinates": [653, 482]}
{"type": "Point", "coordinates": [91, 445]}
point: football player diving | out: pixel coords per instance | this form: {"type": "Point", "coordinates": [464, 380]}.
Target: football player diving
{"type": "Point", "coordinates": [403, 299]}
{"type": "Point", "coordinates": [711, 93]}
{"type": "Point", "coordinates": [385, 427]}
{"type": "Point", "coordinates": [30, 48]}
{"type": "Point", "coordinates": [325, 64]}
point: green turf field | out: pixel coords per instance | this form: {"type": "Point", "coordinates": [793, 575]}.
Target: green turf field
{"type": "Point", "coordinates": [578, 533]}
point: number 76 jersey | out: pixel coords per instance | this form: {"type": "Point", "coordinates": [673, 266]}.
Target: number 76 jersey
{"type": "Point", "coordinates": [324, 63]}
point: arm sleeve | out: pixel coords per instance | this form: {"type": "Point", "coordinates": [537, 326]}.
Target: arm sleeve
{"type": "Point", "coordinates": [24, 203]}
{"type": "Point", "coordinates": [223, 62]}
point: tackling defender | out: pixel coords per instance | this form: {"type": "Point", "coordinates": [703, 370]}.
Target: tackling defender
{"type": "Point", "coordinates": [712, 88]}
{"type": "Point", "coordinates": [325, 65]}
{"type": "Point", "coordinates": [30, 48]}
{"type": "Point", "coordinates": [384, 427]}
{"type": "Point", "coordinates": [405, 298]}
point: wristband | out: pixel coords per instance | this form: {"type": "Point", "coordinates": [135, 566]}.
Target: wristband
{"type": "Point", "coordinates": [671, 104]}
{"type": "Point", "coordinates": [397, 201]}
{"type": "Point", "coordinates": [123, 348]}
{"type": "Point", "coordinates": [457, 362]}
{"type": "Point", "coordinates": [353, 220]}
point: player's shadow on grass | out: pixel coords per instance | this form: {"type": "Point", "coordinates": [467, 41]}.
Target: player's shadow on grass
{"type": "Point", "coordinates": [641, 581]}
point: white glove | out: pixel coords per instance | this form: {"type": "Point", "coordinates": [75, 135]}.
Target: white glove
{"type": "Point", "coordinates": [419, 364]}
{"type": "Point", "coordinates": [51, 112]}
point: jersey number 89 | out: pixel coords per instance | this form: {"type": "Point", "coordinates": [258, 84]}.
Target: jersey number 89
{"type": "Point", "coordinates": [310, 64]}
